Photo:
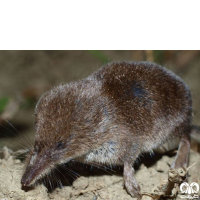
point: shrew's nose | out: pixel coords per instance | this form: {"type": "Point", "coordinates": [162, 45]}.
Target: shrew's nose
{"type": "Point", "coordinates": [28, 176]}
{"type": "Point", "coordinates": [25, 181]}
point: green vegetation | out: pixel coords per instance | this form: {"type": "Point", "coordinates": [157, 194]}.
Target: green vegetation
{"type": "Point", "coordinates": [158, 56]}
{"type": "Point", "coordinates": [99, 55]}
{"type": "Point", "coordinates": [3, 103]}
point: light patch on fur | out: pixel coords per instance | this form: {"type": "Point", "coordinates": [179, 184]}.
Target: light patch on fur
{"type": "Point", "coordinates": [33, 158]}
{"type": "Point", "coordinates": [168, 146]}
{"type": "Point", "coordinates": [106, 154]}
{"type": "Point", "coordinates": [161, 132]}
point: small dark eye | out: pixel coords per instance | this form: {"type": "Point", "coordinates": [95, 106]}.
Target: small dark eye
{"type": "Point", "coordinates": [60, 145]}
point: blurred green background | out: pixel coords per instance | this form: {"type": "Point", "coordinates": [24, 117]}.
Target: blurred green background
{"type": "Point", "coordinates": [26, 75]}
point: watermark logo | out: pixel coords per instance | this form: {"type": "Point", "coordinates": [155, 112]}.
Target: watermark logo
{"type": "Point", "coordinates": [191, 191]}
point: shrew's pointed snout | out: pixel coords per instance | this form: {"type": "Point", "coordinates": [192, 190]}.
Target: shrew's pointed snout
{"type": "Point", "coordinates": [25, 181]}
{"type": "Point", "coordinates": [35, 170]}
{"type": "Point", "coordinates": [28, 176]}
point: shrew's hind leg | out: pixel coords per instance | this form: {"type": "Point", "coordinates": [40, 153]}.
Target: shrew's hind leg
{"type": "Point", "coordinates": [131, 184]}
{"type": "Point", "coordinates": [177, 173]}
{"type": "Point", "coordinates": [181, 159]}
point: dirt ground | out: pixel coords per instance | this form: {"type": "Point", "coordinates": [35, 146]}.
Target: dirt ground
{"type": "Point", "coordinates": [91, 185]}
{"type": "Point", "coordinates": [26, 75]}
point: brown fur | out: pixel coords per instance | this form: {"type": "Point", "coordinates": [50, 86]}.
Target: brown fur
{"type": "Point", "coordinates": [111, 117]}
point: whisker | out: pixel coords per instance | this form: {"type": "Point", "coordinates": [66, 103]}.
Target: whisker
{"type": "Point", "coordinates": [43, 181]}
{"type": "Point", "coordinates": [58, 181]}
{"type": "Point", "coordinates": [13, 140]}
{"type": "Point", "coordinates": [27, 139]}
{"type": "Point", "coordinates": [52, 179]}
{"type": "Point", "coordinates": [73, 176]}
{"type": "Point", "coordinates": [71, 171]}
{"type": "Point", "coordinates": [104, 168]}
{"type": "Point", "coordinates": [98, 165]}
{"type": "Point", "coordinates": [48, 176]}
{"type": "Point", "coordinates": [62, 175]}
{"type": "Point", "coordinates": [17, 142]}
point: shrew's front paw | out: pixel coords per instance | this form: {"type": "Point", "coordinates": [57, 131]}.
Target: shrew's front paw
{"type": "Point", "coordinates": [133, 188]}
{"type": "Point", "coordinates": [130, 182]}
